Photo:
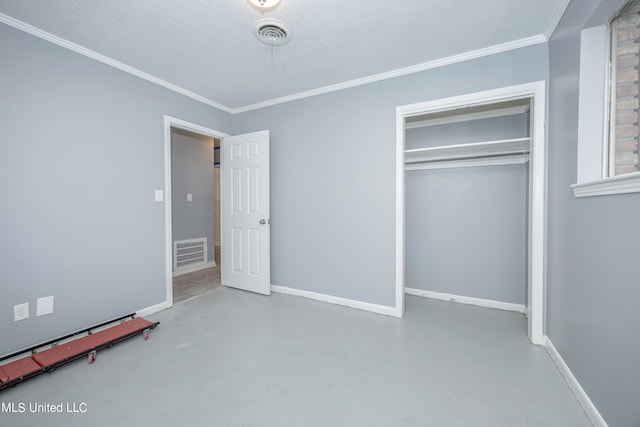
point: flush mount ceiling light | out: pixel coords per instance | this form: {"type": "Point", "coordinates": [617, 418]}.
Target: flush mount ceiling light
{"type": "Point", "coordinates": [264, 5]}
{"type": "Point", "coordinates": [272, 32]}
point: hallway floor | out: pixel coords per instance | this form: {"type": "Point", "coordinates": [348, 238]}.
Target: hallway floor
{"type": "Point", "coordinates": [231, 358]}
{"type": "Point", "coordinates": [190, 285]}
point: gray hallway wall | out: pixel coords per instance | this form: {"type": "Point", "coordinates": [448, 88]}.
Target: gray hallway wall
{"type": "Point", "coordinates": [82, 153]}
{"type": "Point", "coordinates": [192, 173]}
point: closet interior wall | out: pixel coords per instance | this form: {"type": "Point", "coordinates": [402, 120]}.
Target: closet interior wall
{"type": "Point", "coordinates": [466, 227]}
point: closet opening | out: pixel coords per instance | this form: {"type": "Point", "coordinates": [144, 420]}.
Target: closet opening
{"type": "Point", "coordinates": [470, 206]}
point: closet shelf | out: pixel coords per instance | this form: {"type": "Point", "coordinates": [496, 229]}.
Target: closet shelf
{"type": "Point", "coordinates": [506, 151]}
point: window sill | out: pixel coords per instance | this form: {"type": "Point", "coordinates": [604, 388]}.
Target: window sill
{"type": "Point", "coordinates": [628, 183]}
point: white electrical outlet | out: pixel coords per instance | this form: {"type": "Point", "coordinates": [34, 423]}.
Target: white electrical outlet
{"type": "Point", "coordinates": [20, 311]}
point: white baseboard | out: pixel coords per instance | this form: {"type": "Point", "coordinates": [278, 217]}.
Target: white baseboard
{"type": "Point", "coordinates": [589, 408]}
{"type": "Point", "coordinates": [194, 269]}
{"type": "Point", "coordinates": [508, 306]}
{"type": "Point", "coordinates": [153, 309]}
{"type": "Point", "coordinates": [375, 308]}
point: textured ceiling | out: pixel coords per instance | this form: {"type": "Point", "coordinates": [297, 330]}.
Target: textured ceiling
{"type": "Point", "coordinates": [208, 47]}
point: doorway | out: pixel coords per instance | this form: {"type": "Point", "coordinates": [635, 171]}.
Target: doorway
{"type": "Point", "coordinates": [198, 269]}
{"type": "Point", "coordinates": [193, 207]}
{"type": "Point", "coordinates": [217, 256]}
{"type": "Point", "coordinates": [534, 95]}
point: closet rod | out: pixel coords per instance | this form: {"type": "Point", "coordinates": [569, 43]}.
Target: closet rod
{"type": "Point", "coordinates": [461, 151]}
{"type": "Point", "coordinates": [491, 160]}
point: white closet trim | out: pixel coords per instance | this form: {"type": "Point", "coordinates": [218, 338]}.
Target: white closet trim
{"type": "Point", "coordinates": [535, 92]}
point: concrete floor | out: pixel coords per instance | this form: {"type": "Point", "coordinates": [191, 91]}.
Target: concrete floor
{"type": "Point", "coordinates": [232, 358]}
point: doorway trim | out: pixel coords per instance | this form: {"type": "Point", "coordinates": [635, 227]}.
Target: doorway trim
{"type": "Point", "coordinates": [169, 123]}
{"type": "Point", "coordinates": [536, 253]}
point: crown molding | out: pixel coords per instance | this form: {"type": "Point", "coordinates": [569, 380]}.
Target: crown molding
{"type": "Point", "coordinates": [479, 53]}
{"type": "Point", "coordinates": [37, 32]}
{"type": "Point", "coordinates": [474, 54]}
{"type": "Point", "coordinates": [561, 8]}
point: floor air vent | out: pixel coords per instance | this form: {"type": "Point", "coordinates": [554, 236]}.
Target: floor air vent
{"type": "Point", "coordinates": [189, 253]}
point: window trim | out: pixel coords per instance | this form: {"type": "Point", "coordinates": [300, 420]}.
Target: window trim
{"type": "Point", "coordinates": [610, 141]}
{"type": "Point", "coordinates": [620, 184]}
{"type": "Point", "coordinates": [594, 115]}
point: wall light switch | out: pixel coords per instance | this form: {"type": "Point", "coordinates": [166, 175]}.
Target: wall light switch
{"type": "Point", "coordinates": [45, 306]}
{"type": "Point", "coordinates": [189, 197]}
{"type": "Point", "coordinates": [159, 196]}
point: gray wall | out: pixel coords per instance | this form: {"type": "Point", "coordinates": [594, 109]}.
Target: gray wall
{"type": "Point", "coordinates": [466, 231]}
{"type": "Point", "coordinates": [82, 153]}
{"type": "Point", "coordinates": [192, 172]}
{"type": "Point", "coordinates": [466, 227]}
{"type": "Point", "coordinates": [592, 286]}
{"type": "Point", "coordinates": [333, 226]}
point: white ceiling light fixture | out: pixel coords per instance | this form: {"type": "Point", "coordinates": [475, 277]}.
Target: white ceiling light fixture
{"type": "Point", "coordinates": [264, 5]}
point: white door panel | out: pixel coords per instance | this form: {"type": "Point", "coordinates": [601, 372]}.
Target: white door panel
{"type": "Point", "coordinates": [245, 212]}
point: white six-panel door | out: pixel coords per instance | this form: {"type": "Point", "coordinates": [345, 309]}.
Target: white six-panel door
{"type": "Point", "coordinates": [245, 223]}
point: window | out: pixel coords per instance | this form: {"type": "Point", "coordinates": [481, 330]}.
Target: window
{"type": "Point", "coordinates": [609, 102]}
{"type": "Point", "coordinates": [624, 101]}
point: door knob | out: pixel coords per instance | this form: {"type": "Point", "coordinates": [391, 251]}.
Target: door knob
{"type": "Point", "coordinates": [263, 221]}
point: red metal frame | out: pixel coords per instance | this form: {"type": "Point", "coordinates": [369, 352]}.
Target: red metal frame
{"type": "Point", "coordinates": [50, 355]}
